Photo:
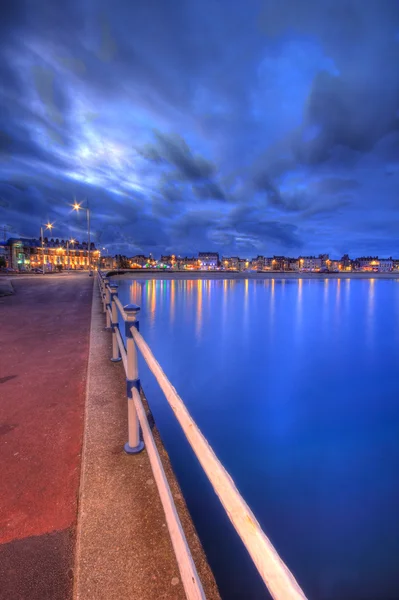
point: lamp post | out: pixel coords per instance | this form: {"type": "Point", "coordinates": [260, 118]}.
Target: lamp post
{"type": "Point", "coordinates": [50, 227]}
{"type": "Point", "coordinates": [106, 258]}
{"type": "Point", "coordinates": [71, 241]}
{"type": "Point", "coordinates": [78, 206]}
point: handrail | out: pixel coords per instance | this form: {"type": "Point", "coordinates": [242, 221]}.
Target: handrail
{"type": "Point", "coordinates": [277, 577]}
{"type": "Point", "coordinates": [120, 307]}
{"type": "Point", "coordinates": [122, 348]}
{"type": "Point", "coordinates": [180, 546]}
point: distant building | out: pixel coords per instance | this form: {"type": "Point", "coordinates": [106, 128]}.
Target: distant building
{"type": "Point", "coordinates": [188, 263]}
{"type": "Point", "coordinates": [235, 263]}
{"type": "Point", "coordinates": [258, 263]}
{"type": "Point", "coordinates": [225, 263]}
{"type": "Point", "coordinates": [108, 263]}
{"type": "Point", "coordinates": [366, 263]}
{"type": "Point", "coordinates": [310, 263]}
{"type": "Point", "coordinates": [3, 254]}
{"type": "Point", "coordinates": [139, 260]}
{"type": "Point", "coordinates": [209, 260]}
{"type": "Point", "coordinates": [386, 264]}
{"type": "Point", "coordinates": [346, 263]}
{"type": "Point", "coordinates": [25, 254]}
{"type": "Point", "coordinates": [166, 260]}
{"type": "Point", "coordinates": [279, 263]}
{"type": "Point", "coordinates": [293, 264]}
{"type": "Point", "coordinates": [325, 260]}
{"type": "Point", "coordinates": [243, 264]}
{"type": "Point", "coordinates": [334, 265]}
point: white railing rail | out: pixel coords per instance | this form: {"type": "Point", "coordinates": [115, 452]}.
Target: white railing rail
{"type": "Point", "coordinates": [275, 574]}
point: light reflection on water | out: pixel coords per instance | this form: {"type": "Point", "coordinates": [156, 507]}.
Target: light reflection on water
{"type": "Point", "coordinates": [295, 385]}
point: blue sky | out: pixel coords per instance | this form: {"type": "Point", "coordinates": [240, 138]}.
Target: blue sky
{"type": "Point", "coordinates": [244, 128]}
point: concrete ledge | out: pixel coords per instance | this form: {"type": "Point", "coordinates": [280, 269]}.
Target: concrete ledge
{"type": "Point", "coordinates": [143, 274]}
{"type": "Point", "coordinates": [6, 288]}
{"type": "Point", "coordinates": [123, 545]}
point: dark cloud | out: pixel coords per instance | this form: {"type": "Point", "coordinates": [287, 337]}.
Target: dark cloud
{"type": "Point", "coordinates": [173, 150]}
{"type": "Point", "coordinates": [263, 183]}
{"type": "Point", "coordinates": [263, 231]}
{"type": "Point", "coordinates": [285, 117]}
{"type": "Point", "coordinates": [334, 185]}
{"type": "Point", "coordinates": [209, 191]}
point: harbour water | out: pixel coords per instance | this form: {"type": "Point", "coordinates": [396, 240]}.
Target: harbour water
{"type": "Point", "coordinates": [295, 384]}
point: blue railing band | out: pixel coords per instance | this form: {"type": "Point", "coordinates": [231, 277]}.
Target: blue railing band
{"type": "Point", "coordinates": [130, 384]}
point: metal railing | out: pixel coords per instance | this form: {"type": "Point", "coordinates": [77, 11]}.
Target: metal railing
{"type": "Point", "coordinates": [275, 574]}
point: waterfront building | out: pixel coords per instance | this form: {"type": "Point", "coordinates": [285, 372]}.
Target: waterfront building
{"type": "Point", "coordinates": [235, 263]}
{"type": "Point", "coordinates": [280, 263]}
{"type": "Point", "coordinates": [243, 264]}
{"type": "Point", "coordinates": [293, 264]}
{"type": "Point", "coordinates": [366, 263]}
{"type": "Point", "coordinates": [209, 260]}
{"type": "Point", "coordinates": [188, 263]}
{"type": "Point", "coordinates": [3, 254]}
{"type": "Point", "coordinates": [166, 260]}
{"type": "Point", "coordinates": [226, 263]}
{"type": "Point", "coordinates": [258, 263]}
{"type": "Point", "coordinates": [334, 265]}
{"type": "Point", "coordinates": [108, 263]}
{"type": "Point", "coordinates": [25, 254]}
{"type": "Point", "coordinates": [346, 263]}
{"type": "Point", "coordinates": [310, 263]}
{"type": "Point", "coordinates": [325, 261]}
{"type": "Point", "coordinates": [386, 265]}
{"type": "Point", "coordinates": [138, 261]}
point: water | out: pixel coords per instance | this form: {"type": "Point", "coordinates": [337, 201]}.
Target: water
{"type": "Point", "coordinates": [295, 384]}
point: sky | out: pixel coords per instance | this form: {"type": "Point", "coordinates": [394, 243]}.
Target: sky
{"type": "Point", "coordinates": [245, 128]}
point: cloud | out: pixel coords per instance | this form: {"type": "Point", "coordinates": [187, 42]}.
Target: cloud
{"type": "Point", "coordinates": [174, 150]}
{"type": "Point", "coordinates": [240, 127]}
{"type": "Point", "coordinates": [334, 185]}
{"type": "Point", "coordinates": [209, 191]}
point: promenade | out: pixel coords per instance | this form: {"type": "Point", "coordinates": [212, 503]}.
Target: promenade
{"type": "Point", "coordinates": [44, 340]}
{"type": "Point", "coordinates": [78, 517]}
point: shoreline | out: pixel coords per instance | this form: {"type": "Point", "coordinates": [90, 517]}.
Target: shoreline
{"type": "Point", "coordinates": [135, 274]}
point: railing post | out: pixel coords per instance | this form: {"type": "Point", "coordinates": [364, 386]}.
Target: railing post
{"type": "Point", "coordinates": [102, 288]}
{"type": "Point", "coordinates": [134, 444]}
{"type": "Point", "coordinates": [116, 357]}
{"type": "Point", "coordinates": [107, 305]}
{"type": "Point", "coordinates": [104, 282]}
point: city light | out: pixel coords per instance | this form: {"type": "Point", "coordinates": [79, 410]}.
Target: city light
{"type": "Point", "coordinates": [73, 254]}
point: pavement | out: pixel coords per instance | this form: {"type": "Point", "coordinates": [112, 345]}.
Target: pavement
{"type": "Point", "coordinates": [44, 341]}
{"type": "Point", "coordinates": [79, 519]}
{"type": "Point", "coordinates": [6, 288]}
{"type": "Point", "coordinates": [124, 548]}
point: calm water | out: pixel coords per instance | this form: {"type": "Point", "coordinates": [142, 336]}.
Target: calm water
{"type": "Point", "coordinates": [296, 386]}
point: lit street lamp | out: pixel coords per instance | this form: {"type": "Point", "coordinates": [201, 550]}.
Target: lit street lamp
{"type": "Point", "coordinates": [50, 227]}
{"type": "Point", "coordinates": [71, 241]}
{"type": "Point", "coordinates": [78, 206]}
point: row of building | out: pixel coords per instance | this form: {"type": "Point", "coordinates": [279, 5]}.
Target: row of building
{"type": "Point", "coordinates": [25, 254]}
{"type": "Point", "coordinates": [213, 261]}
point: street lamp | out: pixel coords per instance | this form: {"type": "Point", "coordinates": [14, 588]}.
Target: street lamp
{"type": "Point", "coordinates": [71, 241]}
{"type": "Point", "coordinates": [78, 206]}
{"type": "Point", "coordinates": [50, 227]}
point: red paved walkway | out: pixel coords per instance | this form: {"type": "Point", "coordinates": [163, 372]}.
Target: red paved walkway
{"type": "Point", "coordinates": [44, 341]}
